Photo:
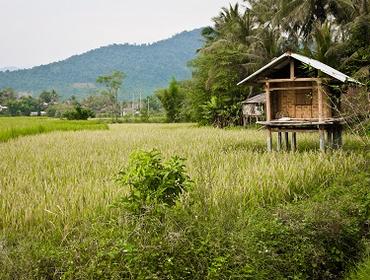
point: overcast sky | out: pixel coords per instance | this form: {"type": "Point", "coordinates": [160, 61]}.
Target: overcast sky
{"type": "Point", "coordinates": [35, 32]}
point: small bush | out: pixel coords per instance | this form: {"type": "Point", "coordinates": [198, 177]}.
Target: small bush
{"type": "Point", "coordinates": [151, 181]}
{"type": "Point", "coordinates": [78, 113]}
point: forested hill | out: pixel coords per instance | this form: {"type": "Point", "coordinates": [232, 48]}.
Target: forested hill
{"type": "Point", "coordinates": [147, 67]}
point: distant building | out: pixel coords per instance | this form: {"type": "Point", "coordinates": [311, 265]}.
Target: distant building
{"type": "Point", "coordinates": [253, 108]}
{"type": "Point", "coordinates": [3, 108]}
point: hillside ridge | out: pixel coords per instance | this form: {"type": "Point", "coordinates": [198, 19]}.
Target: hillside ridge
{"type": "Point", "coordinates": [147, 68]}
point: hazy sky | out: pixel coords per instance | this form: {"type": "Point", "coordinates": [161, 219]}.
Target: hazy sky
{"type": "Point", "coordinates": [35, 32]}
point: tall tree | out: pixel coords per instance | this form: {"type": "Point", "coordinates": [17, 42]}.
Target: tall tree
{"type": "Point", "coordinates": [112, 83]}
{"type": "Point", "coordinates": [171, 99]}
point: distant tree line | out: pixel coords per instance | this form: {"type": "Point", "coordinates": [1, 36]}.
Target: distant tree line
{"type": "Point", "coordinates": [103, 103]}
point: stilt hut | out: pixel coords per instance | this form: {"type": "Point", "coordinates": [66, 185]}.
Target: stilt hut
{"type": "Point", "coordinates": [253, 108]}
{"type": "Point", "coordinates": [299, 97]}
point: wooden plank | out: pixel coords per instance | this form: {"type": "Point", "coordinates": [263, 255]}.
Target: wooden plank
{"type": "Point", "coordinates": [289, 80]}
{"type": "Point", "coordinates": [268, 102]}
{"type": "Point", "coordinates": [320, 100]}
{"type": "Point", "coordinates": [292, 75]}
{"type": "Point", "coordinates": [291, 88]}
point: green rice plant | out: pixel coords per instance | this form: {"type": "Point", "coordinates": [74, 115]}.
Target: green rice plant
{"type": "Point", "coordinates": [12, 127]}
{"type": "Point", "coordinates": [56, 189]}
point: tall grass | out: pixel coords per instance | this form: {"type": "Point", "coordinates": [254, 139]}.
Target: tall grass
{"type": "Point", "coordinates": [13, 127]}
{"type": "Point", "coordinates": [53, 184]}
{"type": "Point", "coordinates": [58, 178]}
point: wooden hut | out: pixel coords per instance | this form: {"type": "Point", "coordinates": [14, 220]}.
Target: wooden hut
{"type": "Point", "coordinates": [253, 108]}
{"type": "Point", "coordinates": [299, 98]}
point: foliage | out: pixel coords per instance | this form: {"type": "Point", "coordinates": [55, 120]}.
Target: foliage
{"type": "Point", "coordinates": [152, 182]}
{"type": "Point", "coordinates": [172, 100]}
{"type": "Point", "coordinates": [23, 106]}
{"type": "Point", "coordinates": [242, 39]}
{"type": "Point", "coordinates": [78, 113]}
{"type": "Point", "coordinates": [49, 97]}
{"type": "Point", "coordinates": [362, 272]}
{"type": "Point", "coordinates": [112, 83]}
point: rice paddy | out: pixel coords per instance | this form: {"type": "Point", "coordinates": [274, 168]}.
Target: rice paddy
{"type": "Point", "coordinates": [53, 183]}
{"type": "Point", "coordinates": [12, 127]}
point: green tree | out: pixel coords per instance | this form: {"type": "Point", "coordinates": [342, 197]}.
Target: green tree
{"type": "Point", "coordinates": [23, 106]}
{"type": "Point", "coordinates": [112, 83]}
{"type": "Point", "coordinates": [7, 95]}
{"type": "Point", "coordinates": [172, 99]}
{"type": "Point", "coordinates": [49, 97]}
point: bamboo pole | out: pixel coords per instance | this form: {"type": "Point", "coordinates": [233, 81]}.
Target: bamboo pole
{"type": "Point", "coordinates": [269, 140]}
{"type": "Point", "coordinates": [268, 101]}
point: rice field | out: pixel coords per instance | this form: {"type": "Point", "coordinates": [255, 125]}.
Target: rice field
{"type": "Point", "coordinates": [61, 177]}
{"type": "Point", "coordinates": [54, 182]}
{"type": "Point", "coordinates": [13, 127]}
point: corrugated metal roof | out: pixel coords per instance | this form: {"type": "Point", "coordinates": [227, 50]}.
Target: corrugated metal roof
{"type": "Point", "coordinates": [309, 61]}
{"type": "Point", "coordinates": [259, 98]}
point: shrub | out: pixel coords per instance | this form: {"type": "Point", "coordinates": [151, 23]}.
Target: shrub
{"type": "Point", "coordinates": [151, 181]}
{"type": "Point", "coordinates": [78, 113]}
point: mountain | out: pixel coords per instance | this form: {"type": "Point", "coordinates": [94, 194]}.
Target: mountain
{"type": "Point", "coordinates": [8, 68]}
{"type": "Point", "coordinates": [147, 68]}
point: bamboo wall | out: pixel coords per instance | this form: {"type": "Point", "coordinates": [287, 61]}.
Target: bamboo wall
{"type": "Point", "coordinates": [284, 103]}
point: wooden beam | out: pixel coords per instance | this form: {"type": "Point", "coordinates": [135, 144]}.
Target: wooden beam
{"type": "Point", "coordinates": [289, 80]}
{"type": "Point", "coordinates": [294, 141]}
{"type": "Point", "coordinates": [320, 100]}
{"type": "Point", "coordinates": [268, 102]}
{"type": "Point", "coordinates": [292, 74]}
{"type": "Point", "coordinates": [291, 88]}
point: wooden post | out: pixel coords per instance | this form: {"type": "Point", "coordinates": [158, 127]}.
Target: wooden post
{"type": "Point", "coordinates": [287, 140]}
{"type": "Point", "coordinates": [268, 102]}
{"type": "Point", "coordinates": [322, 139]}
{"type": "Point", "coordinates": [337, 137]}
{"type": "Point", "coordinates": [320, 100]}
{"type": "Point", "coordinates": [292, 74]}
{"type": "Point", "coordinates": [340, 136]}
{"type": "Point", "coordinates": [330, 137]}
{"type": "Point", "coordinates": [294, 141]}
{"type": "Point", "coordinates": [269, 140]}
{"type": "Point", "coordinates": [279, 141]}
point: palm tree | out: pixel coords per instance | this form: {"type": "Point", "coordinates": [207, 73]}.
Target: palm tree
{"type": "Point", "coordinates": [302, 15]}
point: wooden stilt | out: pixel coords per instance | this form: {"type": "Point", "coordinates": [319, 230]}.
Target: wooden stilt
{"type": "Point", "coordinates": [294, 141]}
{"type": "Point", "coordinates": [287, 140]}
{"type": "Point", "coordinates": [330, 137]}
{"type": "Point", "coordinates": [340, 136]}
{"type": "Point", "coordinates": [337, 138]}
{"type": "Point", "coordinates": [269, 140]}
{"type": "Point", "coordinates": [322, 139]}
{"type": "Point", "coordinates": [279, 141]}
